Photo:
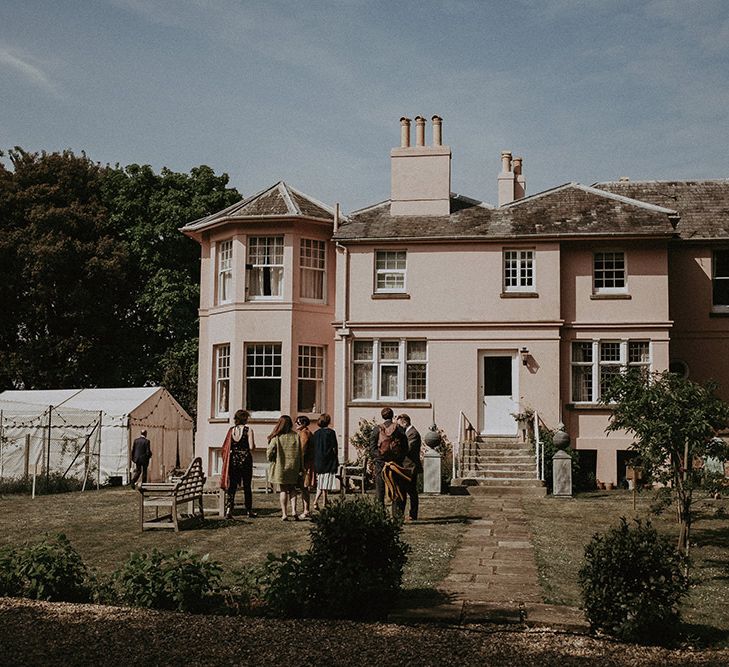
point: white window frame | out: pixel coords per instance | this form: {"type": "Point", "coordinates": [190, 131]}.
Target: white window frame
{"type": "Point", "coordinates": [224, 256]}
{"type": "Point", "coordinates": [221, 385]}
{"type": "Point", "coordinates": [377, 364]}
{"type": "Point", "coordinates": [316, 372]}
{"type": "Point", "coordinates": [519, 269]}
{"type": "Point", "coordinates": [313, 260]}
{"type": "Point", "coordinates": [255, 263]}
{"type": "Point", "coordinates": [216, 461]}
{"type": "Point", "coordinates": [387, 273]}
{"type": "Point", "coordinates": [611, 289]}
{"type": "Point", "coordinates": [718, 307]}
{"type": "Point", "coordinates": [263, 372]}
{"type": "Point", "coordinates": [597, 364]}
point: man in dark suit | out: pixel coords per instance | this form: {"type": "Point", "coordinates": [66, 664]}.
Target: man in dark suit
{"type": "Point", "coordinates": [414, 443]}
{"type": "Point", "coordinates": [377, 456]}
{"type": "Point", "coordinates": [141, 453]}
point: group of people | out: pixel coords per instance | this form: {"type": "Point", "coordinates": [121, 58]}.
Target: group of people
{"type": "Point", "coordinates": [302, 463]}
{"type": "Point", "coordinates": [305, 463]}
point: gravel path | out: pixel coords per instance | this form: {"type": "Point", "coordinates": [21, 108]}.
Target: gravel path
{"type": "Point", "coordinates": [44, 633]}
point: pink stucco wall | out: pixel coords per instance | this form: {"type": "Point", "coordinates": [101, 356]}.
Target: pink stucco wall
{"type": "Point", "coordinates": [288, 320]}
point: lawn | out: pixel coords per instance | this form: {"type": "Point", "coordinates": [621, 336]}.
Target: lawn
{"type": "Point", "coordinates": [104, 527]}
{"type": "Point", "coordinates": [562, 527]}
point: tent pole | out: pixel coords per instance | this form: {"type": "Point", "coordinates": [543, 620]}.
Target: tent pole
{"type": "Point", "coordinates": [98, 467]}
{"type": "Point", "coordinates": [2, 441]}
{"type": "Point", "coordinates": [48, 453]}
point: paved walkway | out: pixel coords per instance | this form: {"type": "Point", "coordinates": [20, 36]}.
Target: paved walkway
{"type": "Point", "coordinates": [493, 576]}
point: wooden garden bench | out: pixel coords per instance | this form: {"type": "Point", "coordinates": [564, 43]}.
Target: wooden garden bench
{"type": "Point", "coordinates": [355, 474]}
{"type": "Point", "coordinates": [185, 491]}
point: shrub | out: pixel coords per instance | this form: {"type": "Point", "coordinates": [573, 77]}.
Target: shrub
{"type": "Point", "coordinates": [56, 483]}
{"type": "Point", "coordinates": [353, 568]}
{"type": "Point", "coordinates": [632, 583]}
{"type": "Point", "coordinates": [49, 570]}
{"type": "Point", "coordinates": [181, 580]}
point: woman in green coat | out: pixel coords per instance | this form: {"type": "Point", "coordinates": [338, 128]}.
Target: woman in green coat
{"type": "Point", "coordinates": [284, 453]}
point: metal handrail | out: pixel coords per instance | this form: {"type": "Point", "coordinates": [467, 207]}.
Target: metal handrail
{"type": "Point", "coordinates": [466, 432]}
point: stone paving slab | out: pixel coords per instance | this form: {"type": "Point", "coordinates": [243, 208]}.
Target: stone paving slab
{"type": "Point", "coordinates": [493, 576]}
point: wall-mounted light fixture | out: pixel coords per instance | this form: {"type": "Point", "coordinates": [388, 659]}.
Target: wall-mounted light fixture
{"type": "Point", "coordinates": [524, 352]}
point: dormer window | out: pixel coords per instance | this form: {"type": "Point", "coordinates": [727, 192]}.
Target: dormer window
{"type": "Point", "coordinates": [265, 267]}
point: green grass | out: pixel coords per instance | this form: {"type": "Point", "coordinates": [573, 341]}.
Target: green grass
{"type": "Point", "coordinates": [562, 527]}
{"type": "Point", "coordinates": [104, 527]}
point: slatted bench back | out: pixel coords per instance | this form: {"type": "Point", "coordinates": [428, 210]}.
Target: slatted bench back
{"type": "Point", "coordinates": [192, 482]}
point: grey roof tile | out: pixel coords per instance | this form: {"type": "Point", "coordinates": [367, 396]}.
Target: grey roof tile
{"type": "Point", "coordinates": [702, 205]}
{"type": "Point", "coordinates": [569, 210]}
{"type": "Point", "coordinates": [280, 200]}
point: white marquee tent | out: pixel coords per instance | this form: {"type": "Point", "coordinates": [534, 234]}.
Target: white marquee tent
{"type": "Point", "coordinates": [60, 428]}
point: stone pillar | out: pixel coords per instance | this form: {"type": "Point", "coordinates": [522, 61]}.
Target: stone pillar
{"type": "Point", "coordinates": [562, 475]}
{"type": "Point", "coordinates": [431, 471]}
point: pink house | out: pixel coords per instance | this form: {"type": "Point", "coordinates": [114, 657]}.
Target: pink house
{"type": "Point", "coordinates": [439, 304]}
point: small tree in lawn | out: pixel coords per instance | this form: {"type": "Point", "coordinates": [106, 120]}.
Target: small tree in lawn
{"type": "Point", "coordinates": [675, 422]}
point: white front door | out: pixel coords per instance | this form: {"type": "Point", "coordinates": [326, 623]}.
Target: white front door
{"type": "Point", "coordinates": [499, 393]}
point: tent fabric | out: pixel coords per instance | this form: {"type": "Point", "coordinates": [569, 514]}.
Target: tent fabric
{"type": "Point", "coordinates": [123, 412]}
{"type": "Point", "coordinates": [27, 429]}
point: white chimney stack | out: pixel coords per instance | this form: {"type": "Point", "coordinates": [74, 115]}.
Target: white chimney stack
{"type": "Point", "coordinates": [421, 175]}
{"type": "Point", "coordinates": [506, 180]}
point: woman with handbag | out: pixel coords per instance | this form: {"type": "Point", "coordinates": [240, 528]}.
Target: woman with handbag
{"type": "Point", "coordinates": [284, 453]}
{"type": "Point", "coordinates": [237, 454]}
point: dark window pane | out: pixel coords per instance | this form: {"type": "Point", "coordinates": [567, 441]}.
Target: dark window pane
{"type": "Point", "coordinates": [263, 395]}
{"type": "Point", "coordinates": [497, 376]}
{"type": "Point", "coordinates": [721, 292]}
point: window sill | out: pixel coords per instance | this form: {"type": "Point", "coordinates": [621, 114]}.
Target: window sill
{"type": "Point", "coordinates": [589, 407]}
{"type": "Point", "coordinates": [218, 420]}
{"type": "Point", "coordinates": [605, 297]}
{"type": "Point", "coordinates": [520, 295]}
{"type": "Point", "coordinates": [390, 404]}
{"type": "Point", "coordinates": [719, 313]}
{"type": "Point", "coordinates": [393, 295]}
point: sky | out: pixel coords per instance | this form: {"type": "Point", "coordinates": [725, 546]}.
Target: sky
{"type": "Point", "coordinates": [311, 91]}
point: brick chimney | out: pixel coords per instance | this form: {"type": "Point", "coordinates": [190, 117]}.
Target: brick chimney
{"type": "Point", "coordinates": [421, 175]}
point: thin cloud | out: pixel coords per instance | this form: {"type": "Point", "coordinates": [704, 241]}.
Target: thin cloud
{"type": "Point", "coordinates": [13, 60]}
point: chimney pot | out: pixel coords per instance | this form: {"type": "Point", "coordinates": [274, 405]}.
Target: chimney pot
{"type": "Point", "coordinates": [505, 161]}
{"type": "Point", "coordinates": [519, 180]}
{"type": "Point", "coordinates": [404, 132]}
{"type": "Point", "coordinates": [517, 165]}
{"type": "Point", "coordinates": [419, 131]}
{"type": "Point", "coordinates": [437, 131]}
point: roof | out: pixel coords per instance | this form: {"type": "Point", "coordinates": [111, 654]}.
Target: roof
{"type": "Point", "coordinates": [121, 401]}
{"type": "Point", "coordinates": [570, 210]}
{"type": "Point", "coordinates": [278, 201]}
{"type": "Point", "coordinates": [702, 205]}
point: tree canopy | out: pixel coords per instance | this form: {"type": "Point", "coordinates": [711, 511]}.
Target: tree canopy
{"type": "Point", "coordinates": [97, 285]}
{"type": "Point", "coordinates": [675, 423]}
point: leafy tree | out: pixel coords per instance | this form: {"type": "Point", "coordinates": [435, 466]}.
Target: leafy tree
{"type": "Point", "coordinates": [675, 423]}
{"type": "Point", "coordinates": [148, 209]}
{"type": "Point", "coordinates": [66, 274]}
{"type": "Point", "coordinates": [97, 285]}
